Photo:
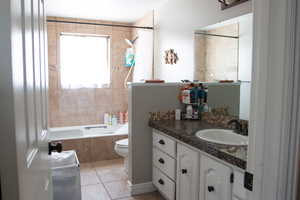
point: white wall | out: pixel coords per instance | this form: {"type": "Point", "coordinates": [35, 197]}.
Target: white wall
{"type": "Point", "coordinates": [143, 56]}
{"type": "Point", "coordinates": [175, 23]}
{"type": "Point", "coordinates": [145, 98]}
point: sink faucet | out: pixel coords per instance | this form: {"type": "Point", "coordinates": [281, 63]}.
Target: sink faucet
{"type": "Point", "coordinates": [239, 127]}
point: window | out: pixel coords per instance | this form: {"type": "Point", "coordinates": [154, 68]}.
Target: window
{"type": "Point", "coordinates": [84, 61]}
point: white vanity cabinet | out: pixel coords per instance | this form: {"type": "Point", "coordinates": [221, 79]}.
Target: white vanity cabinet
{"type": "Point", "coordinates": [215, 180]}
{"type": "Point", "coordinates": [187, 183]}
{"type": "Point", "coordinates": [184, 173]}
{"type": "Point", "coordinates": [164, 165]}
{"type": "Point", "coordinates": [238, 192]}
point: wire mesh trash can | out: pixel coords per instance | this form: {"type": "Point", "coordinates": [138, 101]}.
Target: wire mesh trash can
{"type": "Point", "coordinates": [65, 176]}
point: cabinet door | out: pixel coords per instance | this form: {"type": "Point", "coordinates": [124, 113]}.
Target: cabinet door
{"type": "Point", "coordinates": [214, 180]}
{"type": "Point", "coordinates": [238, 191]}
{"type": "Point", "coordinates": [187, 173]}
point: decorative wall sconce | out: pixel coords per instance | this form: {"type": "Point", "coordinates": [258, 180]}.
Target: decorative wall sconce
{"type": "Point", "coordinates": [171, 57]}
{"type": "Point", "coordinates": [230, 3]}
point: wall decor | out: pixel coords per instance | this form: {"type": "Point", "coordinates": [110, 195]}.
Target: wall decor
{"type": "Point", "coordinates": [171, 57]}
{"type": "Point", "coordinates": [230, 3]}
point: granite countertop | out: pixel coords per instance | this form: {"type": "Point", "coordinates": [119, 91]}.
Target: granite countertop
{"type": "Point", "coordinates": [185, 130]}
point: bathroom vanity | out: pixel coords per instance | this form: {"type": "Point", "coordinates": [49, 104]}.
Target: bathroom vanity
{"type": "Point", "coordinates": [188, 168]}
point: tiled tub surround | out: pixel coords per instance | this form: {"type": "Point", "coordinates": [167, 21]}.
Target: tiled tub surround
{"type": "Point", "coordinates": [90, 145]}
{"type": "Point", "coordinates": [217, 57]}
{"type": "Point", "coordinates": [86, 106]}
{"type": "Point", "coordinates": [184, 131]}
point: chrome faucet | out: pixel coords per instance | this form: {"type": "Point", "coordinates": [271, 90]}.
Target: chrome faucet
{"type": "Point", "coordinates": [239, 127]}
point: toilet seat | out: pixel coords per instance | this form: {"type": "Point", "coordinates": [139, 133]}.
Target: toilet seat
{"type": "Point", "coordinates": [121, 148]}
{"type": "Point", "coordinates": [122, 143]}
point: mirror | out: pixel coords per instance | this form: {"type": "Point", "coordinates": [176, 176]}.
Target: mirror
{"type": "Point", "coordinates": [223, 53]}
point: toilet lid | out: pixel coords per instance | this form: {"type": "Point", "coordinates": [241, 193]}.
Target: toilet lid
{"type": "Point", "coordinates": [123, 142]}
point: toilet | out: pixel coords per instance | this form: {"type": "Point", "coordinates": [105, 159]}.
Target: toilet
{"type": "Point", "coordinates": [121, 148]}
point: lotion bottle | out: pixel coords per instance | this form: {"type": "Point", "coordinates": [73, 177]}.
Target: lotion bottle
{"type": "Point", "coordinates": [189, 112]}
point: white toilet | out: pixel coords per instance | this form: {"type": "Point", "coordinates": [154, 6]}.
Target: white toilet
{"type": "Point", "coordinates": [121, 148]}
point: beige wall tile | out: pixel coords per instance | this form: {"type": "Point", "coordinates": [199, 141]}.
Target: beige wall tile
{"type": "Point", "coordinates": [82, 148]}
{"type": "Point", "coordinates": [65, 28]}
{"type": "Point", "coordinates": [102, 148]}
{"type": "Point", "coordinates": [94, 149]}
{"type": "Point", "coordinates": [147, 20]}
{"type": "Point", "coordinates": [85, 106]}
{"type": "Point", "coordinates": [217, 57]}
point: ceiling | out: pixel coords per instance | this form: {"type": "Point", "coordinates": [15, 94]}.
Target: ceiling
{"type": "Point", "coordinates": [109, 10]}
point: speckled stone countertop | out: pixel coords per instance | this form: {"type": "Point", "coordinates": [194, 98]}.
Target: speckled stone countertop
{"type": "Point", "coordinates": [184, 131]}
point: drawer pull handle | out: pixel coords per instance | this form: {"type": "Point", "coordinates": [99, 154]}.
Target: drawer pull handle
{"type": "Point", "coordinates": [210, 188]}
{"type": "Point", "coordinates": [184, 171]}
{"type": "Point", "coordinates": [160, 181]}
{"type": "Point", "coordinates": [161, 161]}
{"type": "Point", "coordinates": [162, 142]}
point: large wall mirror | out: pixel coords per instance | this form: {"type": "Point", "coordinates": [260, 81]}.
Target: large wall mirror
{"type": "Point", "coordinates": [223, 53]}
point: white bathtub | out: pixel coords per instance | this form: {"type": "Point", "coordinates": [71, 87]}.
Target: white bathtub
{"type": "Point", "coordinates": [88, 131]}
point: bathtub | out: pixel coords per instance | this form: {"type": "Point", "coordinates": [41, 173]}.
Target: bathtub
{"type": "Point", "coordinates": [92, 143]}
{"type": "Point", "coordinates": [88, 131]}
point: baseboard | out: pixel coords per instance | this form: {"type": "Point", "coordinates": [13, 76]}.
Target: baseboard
{"type": "Point", "coordinates": [141, 188]}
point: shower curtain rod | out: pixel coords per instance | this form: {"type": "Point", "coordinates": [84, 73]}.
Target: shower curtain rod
{"type": "Point", "coordinates": [98, 24]}
{"type": "Point", "coordinates": [208, 34]}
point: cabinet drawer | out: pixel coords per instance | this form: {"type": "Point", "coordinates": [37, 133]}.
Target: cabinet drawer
{"type": "Point", "coordinates": [164, 162]}
{"type": "Point", "coordinates": [164, 143]}
{"type": "Point", "coordinates": [165, 185]}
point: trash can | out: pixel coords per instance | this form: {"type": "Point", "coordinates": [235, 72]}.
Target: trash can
{"type": "Point", "coordinates": [65, 176]}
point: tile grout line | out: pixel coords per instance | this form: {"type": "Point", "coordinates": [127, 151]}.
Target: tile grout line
{"type": "Point", "coordinates": [89, 184]}
{"type": "Point", "coordinates": [105, 186]}
{"type": "Point", "coordinates": [102, 183]}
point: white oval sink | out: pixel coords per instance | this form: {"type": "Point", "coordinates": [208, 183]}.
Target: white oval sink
{"type": "Point", "coordinates": [222, 136]}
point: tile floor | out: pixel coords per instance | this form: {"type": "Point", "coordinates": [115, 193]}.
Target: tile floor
{"type": "Point", "coordinates": [107, 180]}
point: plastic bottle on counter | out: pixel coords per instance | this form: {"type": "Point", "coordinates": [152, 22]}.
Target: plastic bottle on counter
{"type": "Point", "coordinates": [122, 117]}
{"type": "Point", "coordinates": [110, 119]}
{"type": "Point", "coordinates": [186, 96]}
{"type": "Point", "coordinates": [205, 108]}
{"type": "Point", "coordinates": [177, 114]}
{"type": "Point", "coordinates": [106, 118]}
{"type": "Point", "coordinates": [126, 117]}
{"type": "Point", "coordinates": [114, 120]}
{"type": "Point", "coordinates": [189, 112]}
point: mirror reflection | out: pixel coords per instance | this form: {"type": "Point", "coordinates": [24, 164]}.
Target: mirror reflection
{"type": "Point", "coordinates": [223, 53]}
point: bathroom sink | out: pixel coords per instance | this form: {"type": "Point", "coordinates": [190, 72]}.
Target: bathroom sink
{"type": "Point", "coordinates": [223, 137]}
